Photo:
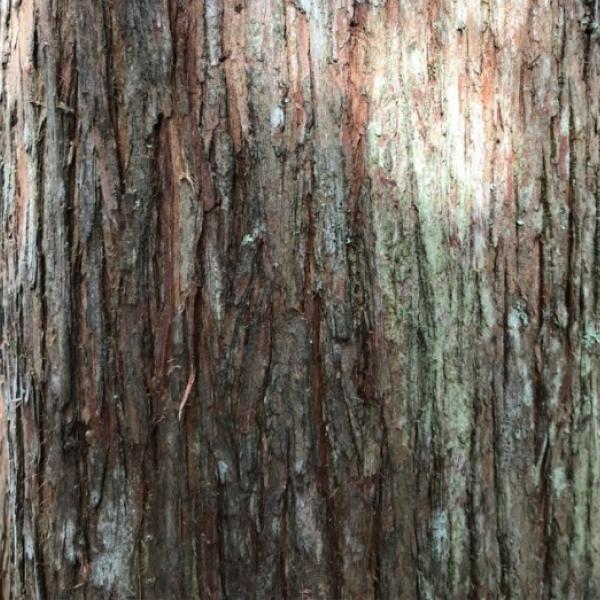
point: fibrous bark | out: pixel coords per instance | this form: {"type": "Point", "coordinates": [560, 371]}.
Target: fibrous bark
{"type": "Point", "coordinates": [299, 299]}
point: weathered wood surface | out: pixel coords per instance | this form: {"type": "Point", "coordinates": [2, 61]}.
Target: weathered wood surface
{"type": "Point", "coordinates": [300, 299]}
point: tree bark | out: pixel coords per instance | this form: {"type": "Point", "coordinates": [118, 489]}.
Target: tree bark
{"type": "Point", "coordinates": [300, 299]}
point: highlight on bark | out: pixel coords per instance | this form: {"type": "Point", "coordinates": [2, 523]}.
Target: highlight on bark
{"type": "Point", "coordinates": [299, 299]}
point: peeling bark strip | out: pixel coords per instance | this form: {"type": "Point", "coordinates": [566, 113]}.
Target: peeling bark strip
{"type": "Point", "coordinates": [299, 299]}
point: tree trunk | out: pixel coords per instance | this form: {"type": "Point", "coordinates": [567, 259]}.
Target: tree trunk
{"type": "Point", "coordinates": [300, 299]}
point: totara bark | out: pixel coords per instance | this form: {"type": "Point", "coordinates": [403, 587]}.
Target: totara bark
{"type": "Point", "coordinates": [299, 299]}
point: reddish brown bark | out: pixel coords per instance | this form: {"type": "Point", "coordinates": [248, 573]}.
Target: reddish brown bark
{"type": "Point", "coordinates": [299, 299]}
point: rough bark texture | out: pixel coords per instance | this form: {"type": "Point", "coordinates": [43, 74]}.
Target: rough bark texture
{"type": "Point", "coordinates": [300, 299]}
